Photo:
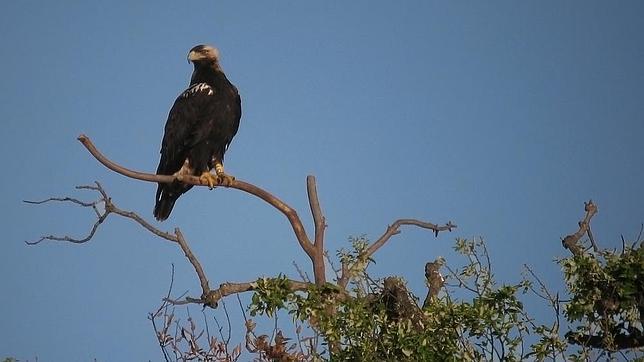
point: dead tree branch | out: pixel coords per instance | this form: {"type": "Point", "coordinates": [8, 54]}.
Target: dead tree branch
{"type": "Point", "coordinates": [109, 208]}
{"type": "Point", "coordinates": [392, 230]}
{"type": "Point", "coordinates": [289, 212]}
{"type": "Point", "coordinates": [101, 216]}
{"type": "Point", "coordinates": [162, 335]}
{"type": "Point", "coordinates": [571, 242]}
{"type": "Point", "coordinates": [435, 280]}
{"type": "Point", "coordinates": [314, 248]}
{"type": "Point", "coordinates": [226, 289]}
{"type": "Point", "coordinates": [203, 281]}
{"type": "Point", "coordinates": [319, 221]}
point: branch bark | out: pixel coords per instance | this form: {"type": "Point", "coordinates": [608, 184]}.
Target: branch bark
{"type": "Point", "coordinates": [226, 289]}
{"type": "Point", "coordinates": [313, 248]}
{"type": "Point", "coordinates": [110, 208]}
{"type": "Point", "coordinates": [571, 242]}
{"type": "Point", "coordinates": [319, 269]}
{"type": "Point", "coordinates": [435, 280]}
{"type": "Point", "coordinates": [392, 230]}
{"type": "Point", "coordinates": [289, 212]}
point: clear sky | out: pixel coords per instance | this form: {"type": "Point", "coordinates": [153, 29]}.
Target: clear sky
{"type": "Point", "coordinates": [503, 117]}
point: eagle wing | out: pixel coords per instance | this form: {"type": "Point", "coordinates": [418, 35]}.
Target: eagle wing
{"type": "Point", "coordinates": [186, 126]}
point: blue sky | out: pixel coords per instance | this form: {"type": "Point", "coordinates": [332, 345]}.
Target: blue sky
{"type": "Point", "coordinates": [503, 117]}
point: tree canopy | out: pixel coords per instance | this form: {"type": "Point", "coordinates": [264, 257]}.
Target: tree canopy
{"type": "Point", "coordinates": [466, 314]}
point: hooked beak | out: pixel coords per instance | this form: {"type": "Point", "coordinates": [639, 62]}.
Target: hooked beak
{"type": "Point", "coordinates": [192, 56]}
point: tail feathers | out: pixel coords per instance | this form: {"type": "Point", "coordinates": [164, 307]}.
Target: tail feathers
{"type": "Point", "coordinates": [165, 203]}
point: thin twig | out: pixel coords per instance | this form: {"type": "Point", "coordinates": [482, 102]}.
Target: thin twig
{"type": "Point", "coordinates": [336, 271]}
{"type": "Point", "coordinates": [62, 199]}
{"type": "Point", "coordinates": [110, 207]}
{"type": "Point", "coordinates": [461, 283]}
{"type": "Point", "coordinates": [69, 238]}
{"type": "Point", "coordinates": [100, 216]}
{"type": "Point", "coordinates": [152, 316]}
{"type": "Point", "coordinates": [228, 322]}
{"type": "Point", "coordinates": [554, 303]}
{"type": "Point", "coordinates": [302, 273]}
{"type": "Point", "coordinates": [203, 280]}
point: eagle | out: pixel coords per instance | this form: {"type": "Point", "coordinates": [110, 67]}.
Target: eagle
{"type": "Point", "coordinates": [201, 125]}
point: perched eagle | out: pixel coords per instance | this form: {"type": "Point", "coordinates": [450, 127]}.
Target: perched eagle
{"type": "Point", "coordinates": [201, 124]}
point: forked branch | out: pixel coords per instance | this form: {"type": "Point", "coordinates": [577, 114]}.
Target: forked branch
{"type": "Point", "coordinates": [289, 212]}
{"type": "Point", "coordinates": [110, 208]}
{"type": "Point", "coordinates": [100, 215]}
{"type": "Point", "coordinates": [314, 248]}
{"type": "Point", "coordinates": [571, 242]}
{"type": "Point", "coordinates": [393, 229]}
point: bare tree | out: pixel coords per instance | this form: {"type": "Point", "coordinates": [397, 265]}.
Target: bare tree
{"type": "Point", "coordinates": [382, 318]}
{"type": "Point", "coordinates": [312, 244]}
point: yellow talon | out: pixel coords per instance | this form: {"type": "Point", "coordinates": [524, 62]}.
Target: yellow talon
{"type": "Point", "coordinates": [209, 179]}
{"type": "Point", "coordinates": [223, 178]}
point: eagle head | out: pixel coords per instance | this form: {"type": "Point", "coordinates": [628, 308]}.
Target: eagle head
{"type": "Point", "coordinates": [203, 54]}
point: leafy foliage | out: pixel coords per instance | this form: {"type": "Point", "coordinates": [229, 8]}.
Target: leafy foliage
{"type": "Point", "coordinates": [381, 319]}
{"type": "Point", "coordinates": [271, 295]}
{"type": "Point", "coordinates": [607, 297]}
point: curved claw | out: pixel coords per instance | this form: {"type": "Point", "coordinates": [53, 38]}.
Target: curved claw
{"type": "Point", "coordinates": [209, 179]}
{"type": "Point", "coordinates": [225, 179]}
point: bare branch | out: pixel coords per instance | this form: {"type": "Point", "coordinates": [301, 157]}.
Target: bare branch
{"type": "Point", "coordinates": [62, 199]}
{"type": "Point", "coordinates": [302, 273]}
{"type": "Point", "coordinates": [344, 275]}
{"type": "Point", "coordinates": [193, 260]}
{"type": "Point", "coordinates": [127, 172]}
{"type": "Point", "coordinates": [548, 296]}
{"type": "Point", "coordinates": [289, 212]}
{"type": "Point", "coordinates": [110, 207]}
{"type": "Point", "coordinates": [571, 242]}
{"type": "Point", "coordinates": [100, 216]}
{"type": "Point", "coordinates": [69, 238]}
{"type": "Point", "coordinates": [314, 249]}
{"type": "Point", "coordinates": [392, 230]}
{"type": "Point", "coordinates": [316, 211]}
{"type": "Point", "coordinates": [162, 335]}
{"type": "Point", "coordinates": [177, 238]}
{"type": "Point", "coordinates": [592, 239]}
{"type": "Point", "coordinates": [435, 280]}
{"type": "Point", "coordinates": [212, 298]}
{"type": "Point", "coordinates": [319, 271]}
{"type": "Point", "coordinates": [336, 271]}
{"type": "Point", "coordinates": [461, 282]}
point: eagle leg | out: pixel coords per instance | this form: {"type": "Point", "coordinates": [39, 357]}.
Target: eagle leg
{"type": "Point", "coordinates": [222, 177]}
{"type": "Point", "coordinates": [208, 178]}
